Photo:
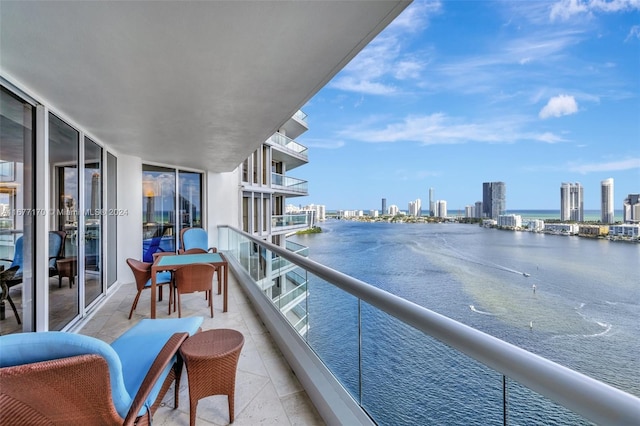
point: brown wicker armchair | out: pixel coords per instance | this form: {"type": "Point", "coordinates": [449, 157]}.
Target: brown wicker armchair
{"type": "Point", "coordinates": [192, 278]}
{"type": "Point", "coordinates": [142, 273]}
{"type": "Point", "coordinates": [77, 390]}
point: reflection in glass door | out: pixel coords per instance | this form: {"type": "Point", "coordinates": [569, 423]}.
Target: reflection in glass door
{"type": "Point", "coordinates": [64, 296]}
{"type": "Point", "coordinates": [158, 210]}
{"type": "Point", "coordinates": [93, 221]}
{"type": "Point", "coordinates": [17, 120]}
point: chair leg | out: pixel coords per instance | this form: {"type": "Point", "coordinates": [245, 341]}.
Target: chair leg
{"type": "Point", "coordinates": [13, 306]}
{"type": "Point", "coordinates": [135, 303]}
{"type": "Point", "coordinates": [179, 306]}
{"type": "Point", "coordinates": [211, 302]}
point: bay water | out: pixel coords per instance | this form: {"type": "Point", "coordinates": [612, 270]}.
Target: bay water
{"type": "Point", "coordinates": [573, 300]}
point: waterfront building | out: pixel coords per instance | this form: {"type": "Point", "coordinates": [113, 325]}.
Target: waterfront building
{"type": "Point", "coordinates": [373, 213]}
{"type": "Point", "coordinates": [319, 211]}
{"type": "Point", "coordinates": [593, 230]}
{"type": "Point", "coordinates": [415, 208]}
{"type": "Point", "coordinates": [493, 199]}
{"type": "Point", "coordinates": [631, 209]}
{"type": "Point", "coordinates": [441, 208]}
{"type": "Point", "coordinates": [393, 210]}
{"type": "Point", "coordinates": [561, 228]}
{"type": "Point", "coordinates": [432, 211]}
{"type": "Point", "coordinates": [536, 225]}
{"type": "Point", "coordinates": [478, 209]}
{"type": "Point", "coordinates": [606, 201]}
{"type": "Point", "coordinates": [629, 230]}
{"type": "Point", "coordinates": [384, 206]}
{"type": "Point", "coordinates": [510, 220]}
{"type": "Point", "coordinates": [469, 211]}
{"type": "Point", "coordinates": [572, 202]}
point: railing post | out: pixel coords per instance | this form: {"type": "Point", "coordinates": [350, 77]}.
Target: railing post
{"type": "Point", "coordinates": [360, 352]}
{"type": "Point", "coordinates": [505, 409]}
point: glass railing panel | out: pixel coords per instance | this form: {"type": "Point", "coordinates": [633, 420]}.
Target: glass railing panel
{"type": "Point", "coordinates": [300, 115]}
{"type": "Point", "coordinates": [290, 183]}
{"type": "Point", "coordinates": [297, 248]}
{"type": "Point", "coordinates": [333, 331]}
{"type": "Point", "coordinates": [526, 407]}
{"type": "Point", "coordinates": [288, 143]}
{"type": "Point", "coordinates": [409, 378]}
{"type": "Point", "coordinates": [280, 221]}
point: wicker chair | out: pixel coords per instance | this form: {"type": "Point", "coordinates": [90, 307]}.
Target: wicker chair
{"type": "Point", "coordinates": [6, 282]}
{"type": "Point", "coordinates": [142, 273]}
{"type": "Point", "coordinates": [194, 238]}
{"type": "Point", "coordinates": [64, 378]}
{"type": "Point", "coordinates": [192, 278]}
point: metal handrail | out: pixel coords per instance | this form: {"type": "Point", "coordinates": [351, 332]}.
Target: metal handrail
{"type": "Point", "coordinates": [588, 397]}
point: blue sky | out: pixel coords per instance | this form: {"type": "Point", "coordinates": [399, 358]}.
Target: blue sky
{"type": "Point", "coordinates": [456, 93]}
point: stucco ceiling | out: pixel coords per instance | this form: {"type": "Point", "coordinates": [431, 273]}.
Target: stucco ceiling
{"type": "Point", "coordinates": [194, 84]}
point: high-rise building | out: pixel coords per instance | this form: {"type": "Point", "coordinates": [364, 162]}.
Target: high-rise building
{"type": "Point", "coordinates": [478, 209]}
{"type": "Point", "coordinates": [493, 199]}
{"type": "Point", "coordinates": [606, 203]}
{"type": "Point", "coordinates": [571, 202]}
{"type": "Point", "coordinates": [468, 211]}
{"type": "Point", "coordinates": [384, 206]}
{"type": "Point", "coordinates": [631, 209]}
{"type": "Point", "coordinates": [415, 208]}
{"type": "Point", "coordinates": [441, 208]}
{"type": "Point", "coordinates": [431, 203]}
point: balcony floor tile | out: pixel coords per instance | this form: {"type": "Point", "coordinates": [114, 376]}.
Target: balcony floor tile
{"type": "Point", "coordinates": [267, 391]}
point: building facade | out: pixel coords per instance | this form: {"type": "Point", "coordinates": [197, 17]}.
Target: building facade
{"type": "Point", "coordinates": [606, 201]}
{"type": "Point", "coordinates": [415, 208]}
{"type": "Point", "coordinates": [572, 202]}
{"type": "Point", "coordinates": [493, 199]}
{"type": "Point", "coordinates": [631, 209]}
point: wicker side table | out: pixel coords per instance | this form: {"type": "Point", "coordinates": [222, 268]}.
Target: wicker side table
{"type": "Point", "coordinates": [211, 358]}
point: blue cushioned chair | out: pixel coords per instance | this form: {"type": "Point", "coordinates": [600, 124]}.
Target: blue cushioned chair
{"type": "Point", "coordinates": [195, 238]}
{"type": "Point", "coordinates": [141, 365]}
{"type": "Point", "coordinates": [142, 273]}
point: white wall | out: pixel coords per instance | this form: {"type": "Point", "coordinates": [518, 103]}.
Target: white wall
{"type": "Point", "coordinates": [222, 202]}
{"type": "Point", "coordinates": [130, 225]}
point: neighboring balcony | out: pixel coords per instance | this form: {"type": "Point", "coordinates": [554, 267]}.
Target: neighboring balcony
{"type": "Point", "coordinates": [290, 186]}
{"type": "Point", "coordinates": [288, 151]}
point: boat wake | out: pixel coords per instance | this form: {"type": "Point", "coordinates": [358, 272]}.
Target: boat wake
{"type": "Point", "coordinates": [473, 308]}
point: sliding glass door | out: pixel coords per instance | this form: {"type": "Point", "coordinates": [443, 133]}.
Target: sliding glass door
{"type": "Point", "coordinates": [17, 119]}
{"type": "Point", "coordinates": [94, 215]}
{"type": "Point", "coordinates": [64, 288]}
{"type": "Point", "coordinates": [172, 200]}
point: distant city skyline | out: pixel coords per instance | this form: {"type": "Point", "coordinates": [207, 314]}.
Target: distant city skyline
{"type": "Point", "coordinates": [533, 94]}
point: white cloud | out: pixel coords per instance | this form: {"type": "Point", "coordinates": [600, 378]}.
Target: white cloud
{"type": "Point", "coordinates": [565, 9]}
{"type": "Point", "coordinates": [381, 64]}
{"type": "Point", "coordinates": [440, 129]}
{"type": "Point", "coordinates": [634, 32]}
{"type": "Point", "coordinates": [549, 137]}
{"type": "Point", "coordinates": [559, 106]}
{"type": "Point", "coordinates": [323, 143]}
{"type": "Point", "coordinates": [612, 166]}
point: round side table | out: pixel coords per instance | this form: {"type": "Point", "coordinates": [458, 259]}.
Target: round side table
{"type": "Point", "coordinates": [211, 358]}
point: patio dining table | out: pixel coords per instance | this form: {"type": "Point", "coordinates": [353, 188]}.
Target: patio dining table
{"type": "Point", "coordinates": [173, 262]}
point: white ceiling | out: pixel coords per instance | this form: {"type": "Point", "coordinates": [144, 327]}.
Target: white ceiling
{"type": "Point", "coordinates": [194, 84]}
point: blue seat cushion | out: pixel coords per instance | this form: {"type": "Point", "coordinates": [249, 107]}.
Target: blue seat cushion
{"type": "Point", "coordinates": [139, 346]}
{"type": "Point", "coordinates": [161, 278]}
{"type": "Point", "coordinates": [26, 348]}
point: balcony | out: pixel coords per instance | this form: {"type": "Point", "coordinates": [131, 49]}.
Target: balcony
{"type": "Point", "coordinates": [267, 390]}
{"type": "Point", "coordinates": [288, 151]}
{"type": "Point", "coordinates": [289, 223]}
{"type": "Point", "coordinates": [290, 186]}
